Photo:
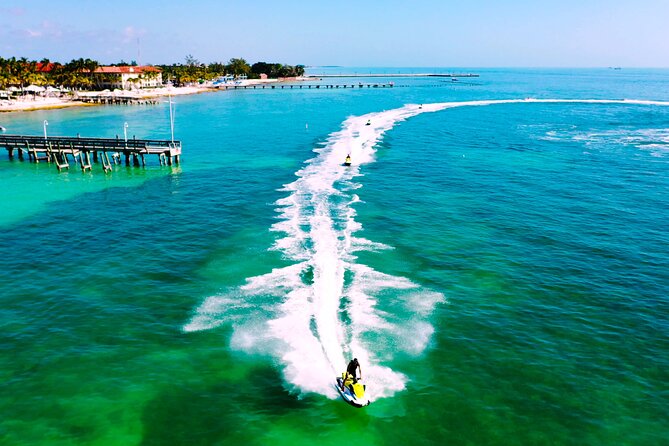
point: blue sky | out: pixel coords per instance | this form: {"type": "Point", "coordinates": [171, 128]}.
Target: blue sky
{"type": "Point", "coordinates": [419, 33]}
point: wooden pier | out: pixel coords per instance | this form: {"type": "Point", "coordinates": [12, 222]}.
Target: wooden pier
{"type": "Point", "coordinates": [85, 151]}
{"type": "Point", "coordinates": [301, 86]}
{"type": "Point", "coordinates": [340, 85]}
{"type": "Point", "coordinates": [117, 100]}
{"type": "Point", "coordinates": [388, 75]}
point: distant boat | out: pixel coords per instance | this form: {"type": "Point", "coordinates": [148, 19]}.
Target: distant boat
{"type": "Point", "coordinates": [224, 80]}
{"type": "Point", "coordinates": [230, 81]}
{"type": "Point", "coordinates": [2, 129]}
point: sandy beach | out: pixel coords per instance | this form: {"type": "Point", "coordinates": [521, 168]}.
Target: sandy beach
{"type": "Point", "coordinates": [36, 102]}
{"type": "Point", "coordinates": [31, 102]}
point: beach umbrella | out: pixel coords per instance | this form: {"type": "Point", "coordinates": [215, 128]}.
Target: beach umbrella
{"type": "Point", "coordinates": [34, 89]}
{"type": "Point", "coordinates": [52, 91]}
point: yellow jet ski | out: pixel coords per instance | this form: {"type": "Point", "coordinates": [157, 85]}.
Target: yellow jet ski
{"type": "Point", "coordinates": [352, 390]}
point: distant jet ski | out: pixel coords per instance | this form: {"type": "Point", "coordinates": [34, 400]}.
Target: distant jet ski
{"type": "Point", "coordinates": [353, 392]}
{"type": "Point", "coordinates": [2, 129]}
{"type": "Point", "coordinates": [347, 161]}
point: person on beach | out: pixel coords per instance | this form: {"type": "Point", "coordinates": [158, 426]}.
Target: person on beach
{"type": "Point", "coordinates": [369, 122]}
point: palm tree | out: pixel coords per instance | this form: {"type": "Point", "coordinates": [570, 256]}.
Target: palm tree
{"type": "Point", "coordinates": [34, 78]}
{"type": "Point", "coordinates": [4, 72]}
{"type": "Point", "coordinates": [238, 66]}
{"type": "Point", "coordinates": [78, 73]}
{"type": "Point", "coordinates": [91, 65]}
{"type": "Point", "coordinates": [149, 75]}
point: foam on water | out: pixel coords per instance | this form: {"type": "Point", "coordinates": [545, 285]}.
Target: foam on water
{"type": "Point", "coordinates": [325, 308]}
{"type": "Point", "coordinates": [316, 324]}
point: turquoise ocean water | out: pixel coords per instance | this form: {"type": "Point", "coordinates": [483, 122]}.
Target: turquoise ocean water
{"type": "Point", "coordinates": [496, 257]}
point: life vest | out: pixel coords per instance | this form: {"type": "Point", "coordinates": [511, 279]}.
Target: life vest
{"type": "Point", "coordinates": [347, 378]}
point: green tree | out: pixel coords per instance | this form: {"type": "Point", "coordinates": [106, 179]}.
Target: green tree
{"type": "Point", "coordinates": [238, 67]}
{"type": "Point", "coordinates": [218, 68]}
{"type": "Point", "coordinates": [191, 61]}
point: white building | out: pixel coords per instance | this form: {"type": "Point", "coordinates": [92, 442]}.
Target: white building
{"type": "Point", "coordinates": [128, 77]}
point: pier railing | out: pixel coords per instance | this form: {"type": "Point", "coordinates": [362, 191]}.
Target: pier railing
{"type": "Point", "coordinates": [57, 149]}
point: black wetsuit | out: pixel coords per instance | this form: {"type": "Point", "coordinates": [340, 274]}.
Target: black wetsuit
{"type": "Point", "coordinates": [352, 367]}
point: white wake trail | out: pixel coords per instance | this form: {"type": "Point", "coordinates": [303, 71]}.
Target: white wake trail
{"type": "Point", "coordinates": [316, 314]}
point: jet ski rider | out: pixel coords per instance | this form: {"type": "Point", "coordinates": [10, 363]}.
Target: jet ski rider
{"type": "Point", "coordinates": [351, 369]}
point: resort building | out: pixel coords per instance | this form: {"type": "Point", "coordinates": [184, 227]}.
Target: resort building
{"type": "Point", "coordinates": [128, 77]}
{"type": "Point", "coordinates": [42, 67]}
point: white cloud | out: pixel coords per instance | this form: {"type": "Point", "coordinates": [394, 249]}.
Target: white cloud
{"type": "Point", "coordinates": [33, 34]}
{"type": "Point", "coordinates": [46, 29]}
{"type": "Point", "coordinates": [131, 34]}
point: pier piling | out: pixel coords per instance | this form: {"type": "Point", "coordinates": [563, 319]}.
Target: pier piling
{"type": "Point", "coordinates": [56, 149]}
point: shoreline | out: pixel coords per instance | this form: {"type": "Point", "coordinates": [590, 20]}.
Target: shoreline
{"type": "Point", "coordinates": [43, 103]}
{"type": "Point", "coordinates": [40, 103]}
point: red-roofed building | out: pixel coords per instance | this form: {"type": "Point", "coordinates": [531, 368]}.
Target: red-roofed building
{"type": "Point", "coordinates": [44, 67]}
{"type": "Point", "coordinates": [127, 77]}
